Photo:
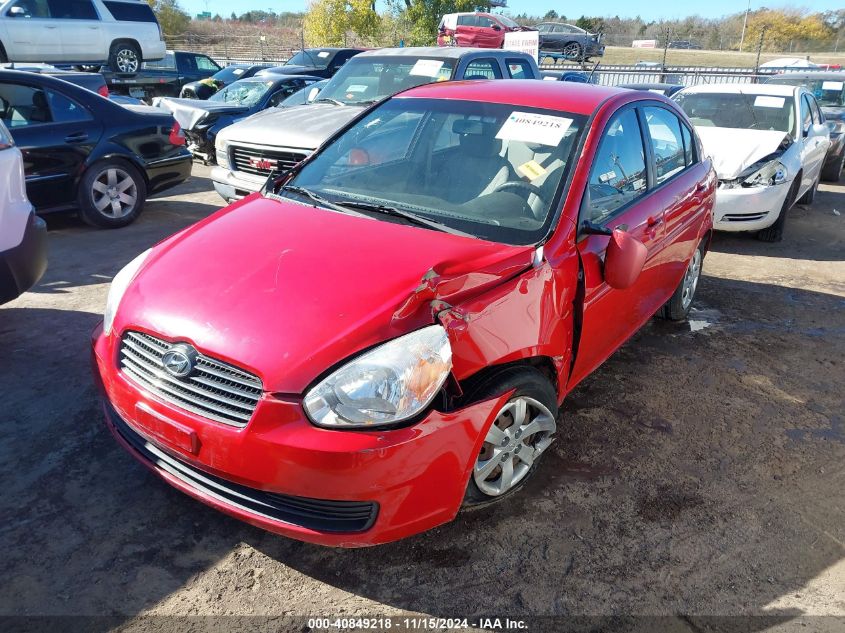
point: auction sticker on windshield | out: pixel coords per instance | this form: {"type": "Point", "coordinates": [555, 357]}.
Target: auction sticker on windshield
{"type": "Point", "coordinates": [426, 68]}
{"type": "Point", "coordinates": [832, 85]}
{"type": "Point", "coordinates": [765, 101]}
{"type": "Point", "coordinates": [529, 127]}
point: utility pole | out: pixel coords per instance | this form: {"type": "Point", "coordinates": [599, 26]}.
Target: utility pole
{"type": "Point", "coordinates": [744, 24]}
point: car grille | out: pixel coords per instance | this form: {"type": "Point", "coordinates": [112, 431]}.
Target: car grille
{"type": "Point", "coordinates": [214, 389]}
{"type": "Point", "coordinates": [314, 514]}
{"type": "Point", "coordinates": [261, 162]}
{"type": "Point", "coordinates": [740, 217]}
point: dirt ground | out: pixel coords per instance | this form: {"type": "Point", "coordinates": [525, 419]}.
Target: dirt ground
{"type": "Point", "coordinates": [699, 472]}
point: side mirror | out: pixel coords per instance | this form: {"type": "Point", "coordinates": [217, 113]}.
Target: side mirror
{"type": "Point", "coordinates": [16, 12]}
{"type": "Point", "coordinates": [624, 260]}
{"type": "Point", "coordinates": [496, 27]}
{"type": "Point", "coordinates": [312, 94]}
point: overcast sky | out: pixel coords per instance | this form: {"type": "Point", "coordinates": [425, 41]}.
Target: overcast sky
{"type": "Point", "coordinates": [649, 10]}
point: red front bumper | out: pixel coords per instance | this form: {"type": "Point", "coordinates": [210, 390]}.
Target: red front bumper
{"type": "Point", "coordinates": [416, 475]}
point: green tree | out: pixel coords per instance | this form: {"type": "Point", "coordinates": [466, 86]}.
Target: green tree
{"type": "Point", "coordinates": [550, 15]}
{"type": "Point", "coordinates": [171, 16]}
{"type": "Point", "coordinates": [327, 22]}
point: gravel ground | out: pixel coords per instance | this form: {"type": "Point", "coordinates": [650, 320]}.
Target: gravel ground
{"type": "Point", "coordinates": [699, 472]}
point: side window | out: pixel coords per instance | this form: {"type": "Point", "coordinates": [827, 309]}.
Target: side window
{"type": "Point", "coordinates": [664, 129]}
{"type": "Point", "coordinates": [806, 114]}
{"type": "Point", "coordinates": [519, 69]}
{"type": "Point", "coordinates": [73, 10]}
{"type": "Point", "coordinates": [619, 174]}
{"type": "Point", "coordinates": [486, 22]}
{"type": "Point", "coordinates": [283, 93]}
{"type": "Point", "coordinates": [24, 106]}
{"type": "Point", "coordinates": [206, 63]}
{"type": "Point", "coordinates": [66, 110]}
{"type": "Point", "coordinates": [467, 20]}
{"type": "Point", "coordinates": [31, 8]}
{"type": "Point", "coordinates": [690, 157]}
{"type": "Point", "coordinates": [542, 28]}
{"type": "Point", "coordinates": [814, 108]}
{"type": "Point", "coordinates": [483, 69]}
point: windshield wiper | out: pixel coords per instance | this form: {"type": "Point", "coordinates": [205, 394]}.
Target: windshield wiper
{"type": "Point", "coordinates": [413, 218]}
{"type": "Point", "coordinates": [315, 197]}
{"type": "Point", "coordinates": [329, 100]}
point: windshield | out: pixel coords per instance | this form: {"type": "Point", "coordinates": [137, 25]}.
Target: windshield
{"type": "Point", "coordinates": [365, 80]}
{"type": "Point", "coordinates": [310, 57]}
{"type": "Point", "coordinates": [490, 170]}
{"type": "Point", "coordinates": [828, 92]}
{"type": "Point", "coordinates": [244, 93]}
{"type": "Point", "coordinates": [229, 74]}
{"type": "Point", "coordinates": [742, 111]}
{"type": "Point", "coordinates": [507, 21]}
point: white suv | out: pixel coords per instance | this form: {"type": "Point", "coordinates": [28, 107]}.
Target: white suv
{"type": "Point", "coordinates": [122, 32]}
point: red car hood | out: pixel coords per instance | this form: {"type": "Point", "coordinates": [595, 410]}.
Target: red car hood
{"type": "Point", "coordinates": [287, 291]}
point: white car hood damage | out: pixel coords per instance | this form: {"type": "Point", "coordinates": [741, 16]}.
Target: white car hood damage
{"type": "Point", "coordinates": [734, 150]}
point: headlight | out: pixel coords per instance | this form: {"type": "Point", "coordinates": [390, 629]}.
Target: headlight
{"type": "Point", "coordinates": [772, 173]}
{"type": "Point", "coordinates": [387, 385]}
{"type": "Point", "coordinates": [221, 148]}
{"type": "Point", "coordinates": [118, 287]}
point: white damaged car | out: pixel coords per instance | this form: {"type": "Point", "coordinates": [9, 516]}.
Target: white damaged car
{"type": "Point", "coordinates": [768, 144]}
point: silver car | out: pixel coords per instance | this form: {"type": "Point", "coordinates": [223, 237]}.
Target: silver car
{"type": "Point", "coordinates": [275, 140]}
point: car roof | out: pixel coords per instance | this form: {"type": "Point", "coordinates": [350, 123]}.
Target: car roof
{"type": "Point", "coordinates": [576, 98]}
{"type": "Point", "coordinates": [435, 52]}
{"type": "Point", "coordinates": [816, 74]}
{"type": "Point", "coordinates": [775, 90]}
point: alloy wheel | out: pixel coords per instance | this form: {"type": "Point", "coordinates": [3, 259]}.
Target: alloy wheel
{"type": "Point", "coordinates": [127, 60]}
{"type": "Point", "coordinates": [572, 51]}
{"type": "Point", "coordinates": [114, 193]}
{"type": "Point", "coordinates": [691, 279]}
{"type": "Point", "coordinates": [516, 439]}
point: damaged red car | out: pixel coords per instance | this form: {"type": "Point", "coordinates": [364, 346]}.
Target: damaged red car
{"type": "Point", "coordinates": [385, 334]}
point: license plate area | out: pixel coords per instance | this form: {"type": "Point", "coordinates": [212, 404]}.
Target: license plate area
{"type": "Point", "coordinates": [164, 429]}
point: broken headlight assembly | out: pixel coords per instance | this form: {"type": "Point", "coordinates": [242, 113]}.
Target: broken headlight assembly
{"type": "Point", "coordinates": [772, 173]}
{"type": "Point", "coordinates": [385, 386]}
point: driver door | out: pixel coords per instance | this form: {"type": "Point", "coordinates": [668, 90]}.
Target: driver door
{"type": "Point", "coordinates": [619, 197]}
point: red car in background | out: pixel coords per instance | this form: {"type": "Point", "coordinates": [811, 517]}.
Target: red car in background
{"type": "Point", "coordinates": [382, 338]}
{"type": "Point", "coordinates": [481, 30]}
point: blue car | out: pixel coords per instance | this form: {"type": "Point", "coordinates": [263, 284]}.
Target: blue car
{"type": "Point", "coordinates": [202, 120]}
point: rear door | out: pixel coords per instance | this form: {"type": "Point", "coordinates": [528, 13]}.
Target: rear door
{"type": "Point", "coordinates": [80, 29]}
{"type": "Point", "coordinates": [55, 135]}
{"type": "Point", "coordinates": [490, 34]}
{"type": "Point", "coordinates": [32, 33]}
{"type": "Point", "coordinates": [619, 195]}
{"type": "Point", "coordinates": [816, 139]}
{"type": "Point", "coordinates": [467, 32]}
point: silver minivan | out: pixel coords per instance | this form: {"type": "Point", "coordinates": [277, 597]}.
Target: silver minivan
{"type": "Point", "coordinates": [121, 32]}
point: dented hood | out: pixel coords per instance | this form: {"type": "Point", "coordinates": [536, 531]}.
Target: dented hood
{"type": "Point", "coordinates": [734, 150]}
{"type": "Point", "coordinates": [189, 112]}
{"type": "Point", "coordinates": [287, 291]}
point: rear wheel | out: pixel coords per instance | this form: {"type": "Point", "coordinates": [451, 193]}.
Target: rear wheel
{"type": "Point", "coordinates": [125, 57]}
{"type": "Point", "coordinates": [520, 434]}
{"type": "Point", "coordinates": [678, 307]}
{"type": "Point", "coordinates": [111, 194]}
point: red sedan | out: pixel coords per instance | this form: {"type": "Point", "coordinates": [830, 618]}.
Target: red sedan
{"type": "Point", "coordinates": [385, 334]}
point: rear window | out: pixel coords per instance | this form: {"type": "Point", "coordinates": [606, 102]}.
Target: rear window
{"type": "Point", "coordinates": [131, 11]}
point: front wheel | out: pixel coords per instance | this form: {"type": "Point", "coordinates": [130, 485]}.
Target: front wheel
{"type": "Point", "coordinates": [111, 195]}
{"type": "Point", "coordinates": [125, 57]}
{"type": "Point", "coordinates": [572, 51]}
{"type": "Point", "coordinates": [521, 432]}
{"type": "Point", "coordinates": [678, 307]}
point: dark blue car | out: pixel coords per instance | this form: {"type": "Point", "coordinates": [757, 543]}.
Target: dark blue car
{"type": "Point", "coordinates": [202, 120]}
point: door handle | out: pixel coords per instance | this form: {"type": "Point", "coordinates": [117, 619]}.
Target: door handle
{"type": "Point", "coordinates": [78, 137]}
{"type": "Point", "coordinates": [47, 26]}
{"type": "Point", "coordinates": [94, 28]}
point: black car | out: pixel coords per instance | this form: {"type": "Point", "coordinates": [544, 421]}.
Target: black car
{"type": "Point", "coordinates": [204, 88]}
{"type": "Point", "coordinates": [203, 120]}
{"type": "Point", "coordinates": [664, 89]}
{"type": "Point", "coordinates": [85, 153]}
{"type": "Point", "coordinates": [163, 78]}
{"type": "Point", "coordinates": [569, 40]}
{"type": "Point", "coordinates": [317, 62]}
{"type": "Point", "coordinates": [828, 87]}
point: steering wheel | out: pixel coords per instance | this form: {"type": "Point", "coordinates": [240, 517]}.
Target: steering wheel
{"type": "Point", "coordinates": [519, 184]}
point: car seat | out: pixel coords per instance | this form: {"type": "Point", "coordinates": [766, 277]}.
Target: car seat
{"type": "Point", "coordinates": [40, 112]}
{"type": "Point", "coordinates": [478, 167]}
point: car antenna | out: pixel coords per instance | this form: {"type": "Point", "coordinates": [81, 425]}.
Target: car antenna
{"type": "Point", "coordinates": [592, 72]}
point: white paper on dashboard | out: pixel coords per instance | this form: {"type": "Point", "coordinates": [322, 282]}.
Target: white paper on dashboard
{"type": "Point", "coordinates": [529, 127]}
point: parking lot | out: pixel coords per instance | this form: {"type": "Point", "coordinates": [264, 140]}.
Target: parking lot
{"type": "Point", "coordinates": [699, 471]}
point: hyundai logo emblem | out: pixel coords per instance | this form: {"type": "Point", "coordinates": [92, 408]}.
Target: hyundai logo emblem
{"type": "Point", "coordinates": [179, 360]}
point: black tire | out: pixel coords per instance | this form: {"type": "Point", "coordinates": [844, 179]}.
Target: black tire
{"type": "Point", "coordinates": [774, 233]}
{"type": "Point", "coordinates": [572, 51]}
{"type": "Point", "coordinates": [3, 58]}
{"type": "Point", "coordinates": [125, 57]}
{"type": "Point", "coordinates": [526, 382]}
{"type": "Point", "coordinates": [832, 173]}
{"type": "Point", "coordinates": [678, 307]}
{"type": "Point", "coordinates": [88, 201]}
{"type": "Point", "coordinates": [810, 194]}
